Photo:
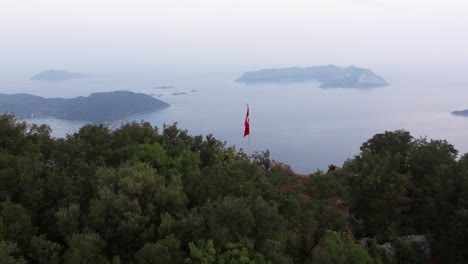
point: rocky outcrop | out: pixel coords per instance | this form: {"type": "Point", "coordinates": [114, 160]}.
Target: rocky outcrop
{"type": "Point", "coordinates": [333, 167]}
{"type": "Point", "coordinates": [287, 168]}
{"type": "Point", "coordinates": [419, 243]}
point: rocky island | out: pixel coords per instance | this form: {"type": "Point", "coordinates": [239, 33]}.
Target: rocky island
{"type": "Point", "coordinates": [98, 108]}
{"type": "Point", "coordinates": [54, 75]}
{"type": "Point", "coordinates": [330, 76]}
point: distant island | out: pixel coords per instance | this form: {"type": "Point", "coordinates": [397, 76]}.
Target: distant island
{"type": "Point", "coordinates": [98, 108]}
{"type": "Point", "coordinates": [163, 87]}
{"type": "Point", "coordinates": [461, 113]}
{"type": "Point", "coordinates": [54, 75]}
{"type": "Point", "coordinates": [330, 76]}
{"type": "Point", "coordinates": [179, 93]}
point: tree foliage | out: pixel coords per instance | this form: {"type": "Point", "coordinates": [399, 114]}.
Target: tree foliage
{"type": "Point", "coordinates": [143, 195]}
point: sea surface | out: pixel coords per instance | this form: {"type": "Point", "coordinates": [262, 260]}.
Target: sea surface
{"type": "Point", "coordinates": [301, 124]}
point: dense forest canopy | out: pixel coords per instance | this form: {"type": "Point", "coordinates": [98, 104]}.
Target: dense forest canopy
{"type": "Point", "coordinates": [143, 195]}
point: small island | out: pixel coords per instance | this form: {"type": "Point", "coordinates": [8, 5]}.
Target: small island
{"type": "Point", "coordinates": [461, 113]}
{"type": "Point", "coordinates": [55, 75]}
{"type": "Point", "coordinates": [163, 87]}
{"type": "Point", "coordinates": [330, 76]}
{"type": "Point", "coordinates": [179, 93]}
{"type": "Point", "coordinates": [98, 108]}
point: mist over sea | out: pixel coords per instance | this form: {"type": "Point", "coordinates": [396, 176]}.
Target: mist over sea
{"type": "Point", "coordinates": [303, 125]}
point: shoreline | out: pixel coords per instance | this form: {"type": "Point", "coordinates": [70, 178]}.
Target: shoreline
{"type": "Point", "coordinates": [112, 125]}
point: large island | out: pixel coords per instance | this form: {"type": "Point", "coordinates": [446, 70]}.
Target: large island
{"type": "Point", "coordinates": [98, 108]}
{"type": "Point", "coordinates": [330, 76]}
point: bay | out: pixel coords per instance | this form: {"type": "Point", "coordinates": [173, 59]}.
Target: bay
{"type": "Point", "coordinates": [300, 123]}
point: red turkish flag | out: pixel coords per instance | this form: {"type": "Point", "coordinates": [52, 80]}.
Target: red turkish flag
{"type": "Point", "coordinates": [247, 123]}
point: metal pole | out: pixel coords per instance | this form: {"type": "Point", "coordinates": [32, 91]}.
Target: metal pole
{"type": "Point", "coordinates": [250, 154]}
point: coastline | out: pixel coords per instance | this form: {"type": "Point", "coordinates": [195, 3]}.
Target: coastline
{"type": "Point", "coordinates": [113, 124]}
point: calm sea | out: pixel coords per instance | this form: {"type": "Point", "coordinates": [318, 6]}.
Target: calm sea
{"type": "Point", "coordinates": [301, 124]}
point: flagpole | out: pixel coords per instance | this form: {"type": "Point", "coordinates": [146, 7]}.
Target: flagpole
{"type": "Point", "coordinates": [247, 128]}
{"type": "Point", "coordinates": [250, 154]}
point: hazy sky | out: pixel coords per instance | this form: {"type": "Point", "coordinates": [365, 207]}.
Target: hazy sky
{"type": "Point", "coordinates": [217, 35]}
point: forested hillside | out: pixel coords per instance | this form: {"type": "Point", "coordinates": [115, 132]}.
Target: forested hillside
{"type": "Point", "coordinates": [97, 108]}
{"type": "Point", "coordinates": [146, 195]}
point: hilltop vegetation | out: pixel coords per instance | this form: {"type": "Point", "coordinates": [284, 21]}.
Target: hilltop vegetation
{"type": "Point", "coordinates": [144, 195]}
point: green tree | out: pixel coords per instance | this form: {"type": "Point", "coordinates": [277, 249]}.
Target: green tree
{"type": "Point", "coordinates": [153, 154]}
{"type": "Point", "coordinates": [167, 226]}
{"type": "Point", "coordinates": [238, 179]}
{"type": "Point", "coordinates": [175, 140]}
{"type": "Point", "coordinates": [9, 253]}
{"type": "Point", "coordinates": [379, 177]}
{"type": "Point", "coordinates": [227, 220]}
{"type": "Point", "coordinates": [18, 225]}
{"type": "Point", "coordinates": [85, 248]}
{"type": "Point", "coordinates": [129, 204]}
{"type": "Point", "coordinates": [166, 250]}
{"type": "Point", "coordinates": [94, 143]}
{"type": "Point", "coordinates": [211, 151]}
{"type": "Point", "coordinates": [43, 251]}
{"type": "Point", "coordinates": [453, 242]}
{"type": "Point", "coordinates": [202, 252]}
{"type": "Point", "coordinates": [2, 229]}
{"type": "Point", "coordinates": [238, 254]}
{"type": "Point", "coordinates": [435, 185]}
{"type": "Point", "coordinates": [335, 250]}
{"type": "Point", "coordinates": [393, 142]}
{"type": "Point", "coordinates": [127, 138]}
{"type": "Point", "coordinates": [68, 220]}
{"type": "Point", "coordinates": [238, 220]}
{"type": "Point", "coordinates": [12, 134]}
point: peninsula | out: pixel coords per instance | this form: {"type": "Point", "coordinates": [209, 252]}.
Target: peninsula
{"type": "Point", "coordinates": [55, 75]}
{"type": "Point", "coordinates": [330, 76]}
{"type": "Point", "coordinates": [98, 108]}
